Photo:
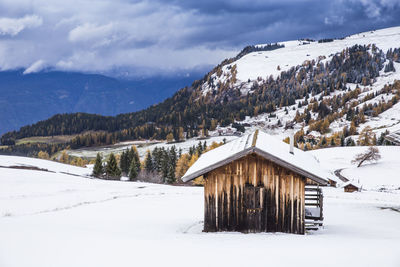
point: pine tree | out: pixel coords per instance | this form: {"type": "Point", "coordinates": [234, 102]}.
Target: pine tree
{"type": "Point", "coordinates": [112, 169]}
{"type": "Point", "coordinates": [170, 178]}
{"type": "Point", "coordinates": [350, 142]}
{"type": "Point", "coordinates": [173, 158]}
{"type": "Point", "coordinates": [98, 169]}
{"type": "Point", "coordinates": [333, 142]}
{"type": "Point", "coordinates": [124, 162]}
{"type": "Point", "coordinates": [323, 141]}
{"type": "Point", "coordinates": [148, 162]}
{"type": "Point", "coordinates": [164, 165]}
{"type": "Point", "coordinates": [133, 170]}
{"type": "Point", "coordinates": [135, 155]}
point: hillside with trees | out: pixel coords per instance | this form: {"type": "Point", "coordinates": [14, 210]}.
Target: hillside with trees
{"type": "Point", "coordinates": [322, 91]}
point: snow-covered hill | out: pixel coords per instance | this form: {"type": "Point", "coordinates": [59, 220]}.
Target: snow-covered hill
{"type": "Point", "coordinates": [265, 63]}
{"type": "Point", "coordinates": [53, 219]}
{"type": "Point", "coordinates": [49, 165]}
{"type": "Point", "coordinates": [259, 66]}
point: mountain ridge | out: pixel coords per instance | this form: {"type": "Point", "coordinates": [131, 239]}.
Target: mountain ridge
{"type": "Point", "coordinates": [51, 92]}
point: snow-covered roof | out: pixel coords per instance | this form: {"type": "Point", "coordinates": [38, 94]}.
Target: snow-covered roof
{"type": "Point", "coordinates": [394, 137]}
{"type": "Point", "coordinates": [351, 183]}
{"type": "Point", "coordinates": [263, 145]}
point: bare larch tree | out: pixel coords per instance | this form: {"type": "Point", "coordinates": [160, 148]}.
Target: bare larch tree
{"type": "Point", "coordinates": [371, 154]}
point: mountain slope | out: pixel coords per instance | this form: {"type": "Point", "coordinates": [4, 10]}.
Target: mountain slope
{"type": "Point", "coordinates": [330, 88]}
{"type": "Point", "coordinates": [49, 93]}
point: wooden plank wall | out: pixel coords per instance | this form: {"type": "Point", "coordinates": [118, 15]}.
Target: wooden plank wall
{"type": "Point", "coordinates": [278, 192]}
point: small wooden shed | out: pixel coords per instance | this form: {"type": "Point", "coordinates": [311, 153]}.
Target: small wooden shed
{"type": "Point", "coordinates": [256, 183]}
{"type": "Point", "coordinates": [350, 187]}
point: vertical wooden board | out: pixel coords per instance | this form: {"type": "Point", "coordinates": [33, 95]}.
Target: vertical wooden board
{"type": "Point", "coordinates": [265, 182]}
{"type": "Point", "coordinates": [283, 199]}
{"type": "Point", "coordinates": [296, 204]}
{"type": "Point", "coordinates": [302, 206]}
{"type": "Point", "coordinates": [277, 195]}
{"type": "Point", "coordinates": [291, 202]}
{"type": "Point", "coordinates": [272, 206]}
{"type": "Point", "coordinates": [250, 170]}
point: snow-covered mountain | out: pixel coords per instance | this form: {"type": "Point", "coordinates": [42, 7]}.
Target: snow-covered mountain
{"type": "Point", "coordinates": [320, 89]}
{"type": "Point", "coordinates": [257, 67]}
{"type": "Point", "coordinates": [262, 64]}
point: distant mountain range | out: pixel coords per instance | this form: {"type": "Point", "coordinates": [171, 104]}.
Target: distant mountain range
{"type": "Point", "coordinates": [25, 99]}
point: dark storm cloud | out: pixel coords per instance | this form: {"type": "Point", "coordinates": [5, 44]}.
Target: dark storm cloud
{"type": "Point", "coordinates": [166, 36]}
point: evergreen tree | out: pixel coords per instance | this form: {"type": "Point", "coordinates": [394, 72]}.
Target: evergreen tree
{"type": "Point", "coordinates": [164, 165]}
{"type": "Point", "coordinates": [124, 162]}
{"type": "Point", "coordinates": [350, 142]}
{"type": "Point", "coordinates": [133, 170]}
{"type": "Point", "coordinates": [333, 142]}
{"type": "Point", "coordinates": [112, 169]}
{"type": "Point", "coordinates": [173, 158]}
{"type": "Point", "coordinates": [148, 162]}
{"type": "Point", "coordinates": [170, 178]}
{"type": "Point", "coordinates": [323, 141]}
{"type": "Point", "coordinates": [134, 155]}
{"type": "Point", "coordinates": [98, 169]}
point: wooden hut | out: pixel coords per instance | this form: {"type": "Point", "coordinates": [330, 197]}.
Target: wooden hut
{"type": "Point", "coordinates": [350, 187]}
{"type": "Point", "coordinates": [256, 183]}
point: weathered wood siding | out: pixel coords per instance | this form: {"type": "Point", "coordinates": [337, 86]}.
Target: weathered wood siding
{"type": "Point", "coordinates": [253, 194]}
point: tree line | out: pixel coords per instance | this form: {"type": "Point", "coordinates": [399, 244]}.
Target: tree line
{"type": "Point", "coordinates": [161, 165]}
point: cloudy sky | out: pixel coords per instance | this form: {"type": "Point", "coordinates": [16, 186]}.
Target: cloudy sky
{"type": "Point", "coordinates": [168, 36]}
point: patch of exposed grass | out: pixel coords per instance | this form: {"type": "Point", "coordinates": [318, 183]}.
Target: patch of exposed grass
{"type": "Point", "coordinates": [57, 139]}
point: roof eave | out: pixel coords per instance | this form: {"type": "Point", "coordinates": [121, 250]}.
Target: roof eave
{"type": "Point", "coordinates": [218, 164]}
{"type": "Point", "coordinates": [265, 155]}
{"type": "Point", "coordinates": [291, 167]}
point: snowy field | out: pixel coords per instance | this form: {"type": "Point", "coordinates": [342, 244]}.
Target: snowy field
{"type": "Point", "coordinates": [382, 175]}
{"type": "Point", "coordinates": [56, 219]}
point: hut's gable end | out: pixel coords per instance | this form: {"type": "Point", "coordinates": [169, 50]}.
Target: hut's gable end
{"type": "Point", "coordinates": [263, 145]}
{"type": "Point", "coordinates": [253, 194]}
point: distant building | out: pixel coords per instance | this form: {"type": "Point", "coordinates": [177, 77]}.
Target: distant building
{"type": "Point", "coordinates": [257, 183]}
{"type": "Point", "coordinates": [350, 187]}
{"type": "Point", "coordinates": [394, 138]}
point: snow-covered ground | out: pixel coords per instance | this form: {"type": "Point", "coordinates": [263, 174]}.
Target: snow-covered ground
{"type": "Point", "coordinates": [52, 166]}
{"type": "Point", "coordinates": [54, 219]}
{"type": "Point", "coordinates": [382, 175]}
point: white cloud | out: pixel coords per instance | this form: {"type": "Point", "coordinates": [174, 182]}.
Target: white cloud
{"type": "Point", "coordinates": [35, 67]}
{"type": "Point", "coordinates": [12, 26]}
{"type": "Point", "coordinates": [334, 20]}
{"type": "Point", "coordinates": [91, 33]}
{"type": "Point", "coordinates": [161, 36]}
